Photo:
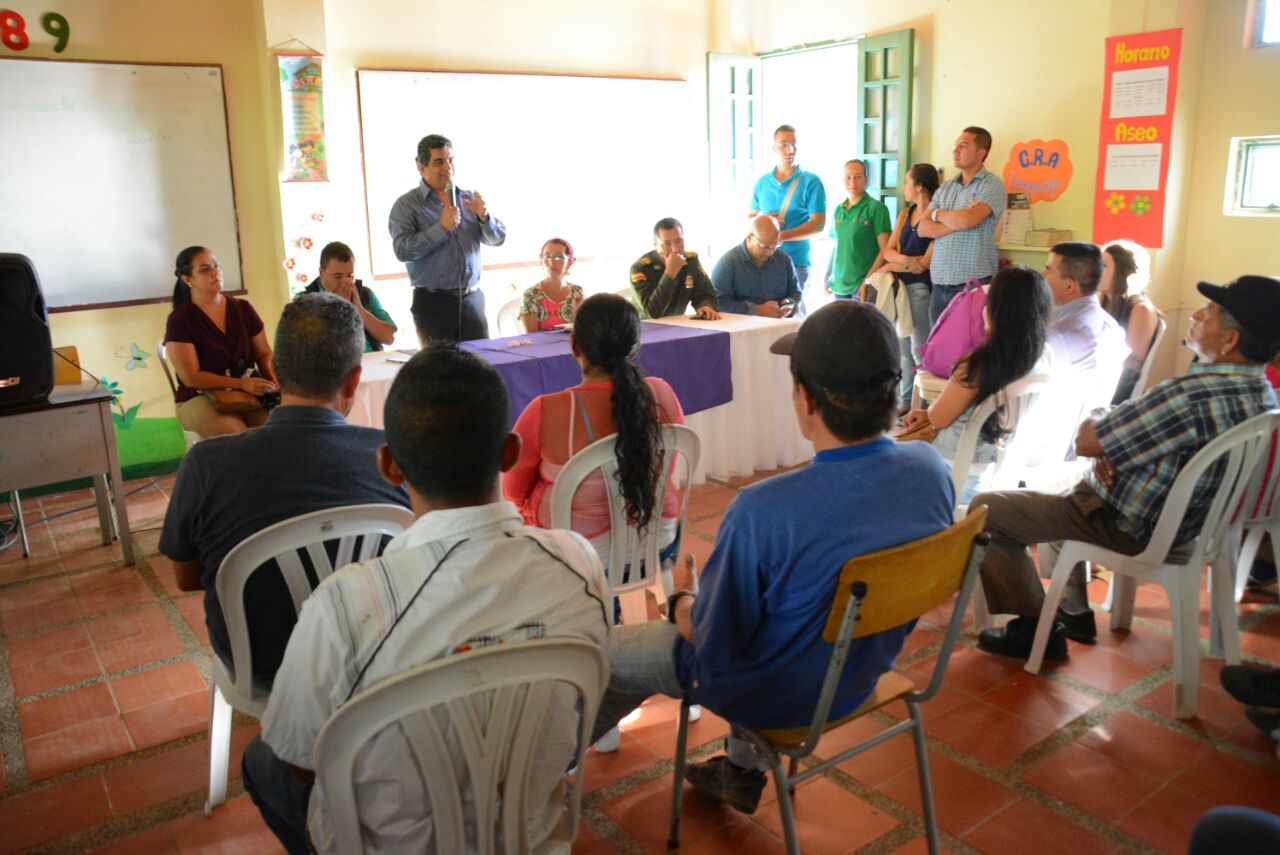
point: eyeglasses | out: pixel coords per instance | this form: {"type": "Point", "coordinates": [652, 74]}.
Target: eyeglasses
{"type": "Point", "coordinates": [771, 247]}
{"type": "Point", "coordinates": [557, 257]}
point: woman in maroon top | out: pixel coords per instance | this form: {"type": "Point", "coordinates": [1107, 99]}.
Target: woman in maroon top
{"type": "Point", "coordinates": [213, 341]}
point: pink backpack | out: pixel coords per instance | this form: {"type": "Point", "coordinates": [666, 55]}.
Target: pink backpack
{"type": "Point", "coordinates": [959, 330]}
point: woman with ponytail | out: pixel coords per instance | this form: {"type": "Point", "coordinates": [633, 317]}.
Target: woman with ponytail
{"type": "Point", "coordinates": [614, 398]}
{"type": "Point", "coordinates": [213, 341]}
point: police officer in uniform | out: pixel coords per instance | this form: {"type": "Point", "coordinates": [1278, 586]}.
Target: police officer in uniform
{"type": "Point", "coordinates": [668, 279]}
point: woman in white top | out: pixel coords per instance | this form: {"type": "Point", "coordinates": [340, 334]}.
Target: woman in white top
{"type": "Point", "coordinates": [1125, 274]}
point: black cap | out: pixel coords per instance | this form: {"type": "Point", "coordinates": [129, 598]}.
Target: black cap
{"type": "Point", "coordinates": [843, 346]}
{"type": "Point", "coordinates": [1254, 301]}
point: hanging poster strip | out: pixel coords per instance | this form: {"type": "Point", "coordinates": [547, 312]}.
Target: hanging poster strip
{"type": "Point", "coordinates": [302, 102]}
{"type": "Point", "coordinates": [1140, 87]}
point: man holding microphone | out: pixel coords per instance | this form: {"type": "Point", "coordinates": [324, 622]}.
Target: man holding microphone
{"type": "Point", "coordinates": [437, 229]}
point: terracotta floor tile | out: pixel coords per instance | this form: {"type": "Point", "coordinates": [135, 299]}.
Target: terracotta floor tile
{"type": "Point", "coordinates": [76, 747]}
{"type": "Point", "coordinates": [1091, 781]}
{"type": "Point", "coordinates": [33, 648]}
{"type": "Point", "coordinates": [169, 719]}
{"type": "Point", "coordinates": [1042, 701]}
{"type": "Point", "coordinates": [55, 671]}
{"type": "Point", "coordinates": [1263, 640]}
{"type": "Point", "coordinates": [30, 569]}
{"type": "Point", "coordinates": [52, 813]}
{"type": "Point", "coordinates": [134, 638]}
{"type": "Point", "coordinates": [1141, 644]}
{"type": "Point", "coordinates": [829, 819]}
{"type": "Point", "coordinates": [110, 589]}
{"type": "Point", "coordinates": [988, 732]}
{"type": "Point", "coordinates": [147, 506]}
{"type": "Point", "coordinates": [736, 839]}
{"type": "Point", "coordinates": [602, 769]}
{"type": "Point", "coordinates": [92, 555]}
{"type": "Point", "coordinates": [49, 715]}
{"type": "Point", "coordinates": [1136, 743]}
{"type": "Point", "coordinates": [1099, 667]}
{"type": "Point", "coordinates": [145, 542]}
{"type": "Point", "coordinates": [709, 527]}
{"type": "Point", "coordinates": [192, 609]}
{"type": "Point", "coordinates": [1166, 818]}
{"type": "Point", "coordinates": [710, 498]}
{"type": "Point", "coordinates": [158, 684]}
{"type": "Point", "coordinates": [875, 765]}
{"type": "Point", "coordinates": [163, 568]}
{"type": "Point", "coordinates": [145, 783]}
{"type": "Point", "coordinates": [1217, 713]}
{"type": "Point", "coordinates": [918, 846]}
{"type": "Point", "coordinates": [921, 636]}
{"type": "Point", "coordinates": [1023, 821]}
{"type": "Point", "coordinates": [157, 841]}
{"type": "Point", "coordinates": [946, 699]}
{"type": "Point", "coordinates": [963, 797]}
{"type": "Point", "coordinates": [972, 671]}
{"type": "Point", "coordinates": [655, 728]}
{"type": "Point", "coordinates": [83, 520]}
{"type": "Point", "coordinates": [645, 813]}
{"type": "Point", "coordinates": [236, 828]}
{"type": "Point", "coordinates": [1230, 780]}
{"type": "Point", "coordinates": [46, 602]}
{"type": "Point", "coordinates": [591, 842]}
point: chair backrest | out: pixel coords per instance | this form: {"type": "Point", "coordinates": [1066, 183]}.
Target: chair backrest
{"type": "Point", "coordinates": [164, 364]}
{"type": "Point", "coordinates": [627, 546]}
{"type": "Point", "coordinates": [498, 736]}
{"type": "Point", "coordinates": [1262, 499]}
{"type": "Point", "coordinates": [1144, 376]}
{"type": "Point", "coordinates": [1016, 398]}
{"type": "Point", "coordinates": [1238, 454]}
{"type": "Point", "coordinates": [888, 588]}
{"type": "Point", "coordinates": [509, 318]}
{"type": "Point", "coordinates": [358, 531]}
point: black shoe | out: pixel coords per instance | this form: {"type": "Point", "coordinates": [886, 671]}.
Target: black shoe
{"type": "Point", "coordinates": [1268, 721]}
{"type": "Point", "coordinates": [1015, 639]}
{"type": "Point", "coordinates": [1253, 686]}
{"type": "Point", "coordinates": [737, 787]}
{"type": "Point", "coordinates": [1080, 626]}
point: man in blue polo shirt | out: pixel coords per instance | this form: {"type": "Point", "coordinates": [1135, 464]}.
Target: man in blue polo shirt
{"type": "Point", "coordinates": [793, 197]}
{"type": "Point", "coordinates": [749, 646]}
{"type": "Point", "coordinates": [962, 221]}
{"type": "Point", "coordinates": [754, 278]}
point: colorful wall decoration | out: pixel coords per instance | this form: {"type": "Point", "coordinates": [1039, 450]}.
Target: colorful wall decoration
{"type": "Point", "coordinates": [1041, 169]}
{"type": "Point", "coordinates": [302, 98]}
{"type": "Point", "coordinates": [1140, 87]}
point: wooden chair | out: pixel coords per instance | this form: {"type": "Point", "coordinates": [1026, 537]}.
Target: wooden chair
{"type": "Point", "coordinates": [358, 530]}
{"type": "Point", "coordinates": [875, 592]}
{"type": "Point", "coordinates": [497, 737]}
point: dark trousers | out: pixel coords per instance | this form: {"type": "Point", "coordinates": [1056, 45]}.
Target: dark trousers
{"type": "Point", "coordinates": [440, 316]}
{"type": "Point", "coordinates": [281, 798]}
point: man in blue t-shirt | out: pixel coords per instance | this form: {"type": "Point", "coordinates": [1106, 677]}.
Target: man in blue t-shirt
{"type": "Point", "coordinates": [749, 646]}
{"type": "Point", "coordinates": [796, 199]}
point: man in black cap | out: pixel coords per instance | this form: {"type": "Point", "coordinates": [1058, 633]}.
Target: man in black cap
{"type": "Point", "coordinates": [749, 646]}
{"type": "Point", "coordinates": [1138, 448]}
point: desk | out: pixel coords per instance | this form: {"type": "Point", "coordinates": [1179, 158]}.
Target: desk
{"type": "Point", "coordinates": [753, 431]}
{"type": "Point", "coordinates": [70, 435]}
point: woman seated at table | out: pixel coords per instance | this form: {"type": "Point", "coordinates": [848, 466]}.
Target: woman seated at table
{"type": "Point", "coordinates": [1125, 274]}
{"type": "Point", "coordinates": [614, 397]}
{"type": "Point", "coordinates": [214, 341]}
{"type": "Point", "coordinates": [553, 301]}
{"type": "Point", "coordinates": [1017, 320]}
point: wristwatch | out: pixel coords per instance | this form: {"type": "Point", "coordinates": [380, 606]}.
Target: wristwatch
{"type": "Point", "coordinates": [933, 215]}
{"type": "Point", "coordinates": [677, 596]}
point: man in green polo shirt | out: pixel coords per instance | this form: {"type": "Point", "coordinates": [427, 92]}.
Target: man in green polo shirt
{"type": "Point", "coordinates": [861, 228]}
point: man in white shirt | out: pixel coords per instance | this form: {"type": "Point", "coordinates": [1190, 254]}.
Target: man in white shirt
{"type": "Point", "coordinates": [466, 574]}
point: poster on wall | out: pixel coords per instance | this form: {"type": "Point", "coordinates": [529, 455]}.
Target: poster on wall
{"type": "Point", "coordinates": [1039, 168]}
{"type": "Point", "coordinates": [302, 103]}
{"type": "Point", "coordinates": [1139, 89]}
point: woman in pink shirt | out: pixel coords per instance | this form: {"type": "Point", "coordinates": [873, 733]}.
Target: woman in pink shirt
{"type": "Point", "coordinates": [614, 397]}
{"type": "Point", "coordinates": [553, 301]}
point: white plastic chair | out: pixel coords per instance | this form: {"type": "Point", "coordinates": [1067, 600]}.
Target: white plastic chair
{"type": "Point", "coordinates": [1259, 515]}
{"type": "Point", "coordinates": [188, 436]}
{"type": "Point", "coordinates": [1237, 452]}
{"type": "Point", "coordinates": [1144, 375]}
{"type": "Point", "coordinates": [1017, 398]}
{"type": "Point", "coordinates": [283, 542]}
{"type": "Point", "coordinates": [509, 318]}
{"type": "Point", "coordinates": [627, 547]}
{"type": "Point", "coordinates": [498, 737]}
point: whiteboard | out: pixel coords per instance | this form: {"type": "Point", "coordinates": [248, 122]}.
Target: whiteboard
{"type": "Point", "coordinates": [110, 169]}
{"type": "Point", "coordinates": [594, 160]}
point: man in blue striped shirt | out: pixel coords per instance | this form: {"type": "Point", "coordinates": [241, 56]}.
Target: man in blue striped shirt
{"type": "Point", "coordinates": [1138, 448]}
{"type": "Point", "coordinates": [436, 230]}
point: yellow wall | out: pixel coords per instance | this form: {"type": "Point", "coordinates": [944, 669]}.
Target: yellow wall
{"type": "Point", "coordinates": [1022, 68]}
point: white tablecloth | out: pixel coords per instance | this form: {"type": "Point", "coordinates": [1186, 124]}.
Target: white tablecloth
{"type": "Point", "coordinates": [756, 431]}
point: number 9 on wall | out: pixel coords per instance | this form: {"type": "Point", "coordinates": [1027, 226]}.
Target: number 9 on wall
{"type": "Point", "coordinates": [13, 30]}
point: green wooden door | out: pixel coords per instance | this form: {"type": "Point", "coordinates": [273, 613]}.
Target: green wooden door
{"type": "Point", "coordinates": [885, 69]}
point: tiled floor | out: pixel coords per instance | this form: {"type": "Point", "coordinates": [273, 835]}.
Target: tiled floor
{"type": "Point", "coordinates": [103, 715]}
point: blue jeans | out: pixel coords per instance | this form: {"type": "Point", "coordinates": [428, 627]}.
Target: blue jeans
{"type": "Point", "coordinates": [918, 294]}
{"type": "Point", "coordinates": [281, 798]}
{"type": "Point", "coordinates": [802, 279]}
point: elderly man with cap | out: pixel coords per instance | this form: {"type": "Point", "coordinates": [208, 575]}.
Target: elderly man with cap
{"type": "Point", "coordinates": [749, 645]}
{"type": "Point", "coordinates": [1138, 448]}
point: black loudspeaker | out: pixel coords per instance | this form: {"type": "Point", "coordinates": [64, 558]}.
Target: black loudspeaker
{"type": "Point", "coordinates": [26, 350]}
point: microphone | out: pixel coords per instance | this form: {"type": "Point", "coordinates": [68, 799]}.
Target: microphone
{"type": "Point", "coordinates": [453, 194]}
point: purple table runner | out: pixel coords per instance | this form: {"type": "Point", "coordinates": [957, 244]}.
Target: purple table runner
{"type": "Point", "coordinates": [695, 362]}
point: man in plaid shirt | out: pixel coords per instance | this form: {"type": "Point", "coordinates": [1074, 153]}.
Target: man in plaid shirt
{"type": "Point", "coordinates": [1138, 448]}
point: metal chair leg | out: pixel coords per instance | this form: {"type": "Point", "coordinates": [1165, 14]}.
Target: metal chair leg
{"type": "Point", "coordinates": [677, 787]}
{"type": "Point", "coordinates": [926, 782]}
{"type": "Point", "coordinates": [786, 812]}
{"type": "Point", "coordinates": [15, 505]}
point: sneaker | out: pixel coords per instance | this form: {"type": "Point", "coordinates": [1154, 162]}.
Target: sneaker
{"type": "Point", "coordinates": [1015, 639]}
{"type": "Point", "coordinates": [1080, 626]}
{"type": "Point", "coordinates": [737, 787]}
{"type": "Point", "coordinates": [1253, 686]}
{"type": "Point", "coordinates": [610, 742]}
